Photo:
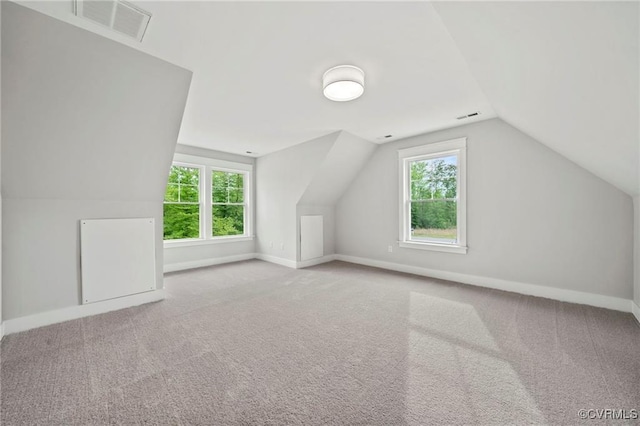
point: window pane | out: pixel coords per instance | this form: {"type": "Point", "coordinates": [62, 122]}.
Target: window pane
{"type": "Point", "coordinates": [434, 221]}
{"type": "Point", "coordinates": [189, 194]}
{"type": "Point", "coordinates": [435, 178]}
{"type": "Point", "coordinates": [172, 193]}
{"type": "Point", "coordinates": [184, 184]}
{"type": "Point", "coordinates": [181, 221]}
{"type": "Point", "coordinates": [236, 187]}
{"type": "Point", "coordinates": [227, 187]}
{"type": "Point", "coordinates": [228, 220]}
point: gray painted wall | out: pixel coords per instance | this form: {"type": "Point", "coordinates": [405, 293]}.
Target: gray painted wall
{"type": "Point", "coordinates": [1, 174]}
{"type": "Point", "coordinates": [281, 179]}
{"type": "Point", "coordinates": [337, 170]}
{"type": "Point", "coordinates": [176, 255]}
{"type": "Point", "coordinates": [636, 252]}
{"type": "Point", "coordinates": [335, 173]}
{"type": "Point", "coordinates": [306, 179]}
{"type": "Point", "coordinates": [89, 127]}
{"type": "Point", "coordinates": [533, 216]}
{"type": "Point", "coordinates": [328, 225]}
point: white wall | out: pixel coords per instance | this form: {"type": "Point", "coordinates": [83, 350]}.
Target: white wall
{"type": "Point", "coordinates": [179, 257]}
{"type": "Point", "coordinates": [1, 324]}
{"type": "Point", "coordinates": [281, 179]}
{"type": "Point", "coordinates": [305, 179]}
{"type": "Point", "coordinates": [636, 227]}
{"type": "Point", "coordinates": [328, 225]}
{"type": "Point", "coordinates": [336, 171]}
{"type": "Point", "coordinates": [331, 179]}
{"type": "Point", "coordinates": [89, 127]}
{"type": "Point", "coordinates": [533, 216]}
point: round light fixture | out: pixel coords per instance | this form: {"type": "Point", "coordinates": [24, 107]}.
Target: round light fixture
{"type": "Point", "coordinates": [343, 83]}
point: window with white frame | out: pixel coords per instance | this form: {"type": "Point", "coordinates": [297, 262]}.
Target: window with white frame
{"type": "Point", "coordinates": [207, 200]}
{"type": "Point", "coordinates": [182, 203]}
{"type": "Point", "coordinates": [433, 196]}
{"type": "Point", "coordinates": [228, 205]}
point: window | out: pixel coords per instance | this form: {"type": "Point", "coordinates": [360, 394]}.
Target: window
{"type": "Point", "coordinates": [190, 219]}
{"type": "Point", "coordinates": [182, 203]}
{"type": "Point", "coordinates": [433, 196]}
{"type": "Point", "coordinates": [228, 205]}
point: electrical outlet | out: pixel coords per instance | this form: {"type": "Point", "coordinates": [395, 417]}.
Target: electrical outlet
{"type": "Point", "coordinates": [281, 246]}
{"type": "Point", "coordinates": [390, 249]}
{"type": "Point", "coordinates": [271, 244]}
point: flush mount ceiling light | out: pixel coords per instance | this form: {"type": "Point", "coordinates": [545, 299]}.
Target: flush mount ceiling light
{"type": "Point", "coordinates": [343, 83]}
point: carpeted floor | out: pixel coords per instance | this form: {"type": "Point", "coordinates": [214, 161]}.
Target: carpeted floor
{"type": "Point", "coordinates": [256, 343]}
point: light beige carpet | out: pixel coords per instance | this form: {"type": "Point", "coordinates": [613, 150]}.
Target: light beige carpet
{"type": "Point", "coordinates": [256, 343]}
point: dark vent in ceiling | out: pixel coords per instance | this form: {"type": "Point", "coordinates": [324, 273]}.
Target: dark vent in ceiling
{"type": "Point", "coordinates": [473, 114]}
{"type": "Point", "coordinates": [118, 15]}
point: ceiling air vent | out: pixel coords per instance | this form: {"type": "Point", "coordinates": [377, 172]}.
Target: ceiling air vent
{"type": "Point", "coordinates": [120, 16]}
{"type": "Point", "coordinates": [462, 117]}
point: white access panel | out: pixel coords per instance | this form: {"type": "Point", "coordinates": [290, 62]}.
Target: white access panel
{"type": "Point", "coordinates": [118, 257]}
{"type": "Point", "coordinates": [311, 237]}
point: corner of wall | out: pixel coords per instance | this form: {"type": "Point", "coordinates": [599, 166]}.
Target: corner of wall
{"type": "Point", "coordinates": [635, 309]}
{"type": "Point", "coordinates": [636, 252]}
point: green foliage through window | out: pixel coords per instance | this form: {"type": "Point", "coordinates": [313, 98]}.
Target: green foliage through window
{"type": "Point", "coordinates": [181, 216]}
{"type": "Point", "coordinates": [434, 199]}
{"type": "Point", "coordinates": [227, 196]}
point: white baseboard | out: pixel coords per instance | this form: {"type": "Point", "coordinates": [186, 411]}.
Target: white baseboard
{"type": "Point", "coordinates": [635, 309]}
{"type": "Point", "coordinates": [293, 264]}
{"type": "Point", "coordinates": [1, 330]}
{"type": "Point", "coordinates": [172, 267]}
{"type": "Point", "coordinates": [563, 295]}
{"type": "Point", "coordinates": [17, 325]}
{"type": "Point", "coordinates": [277, 260]}
{"type": "Point", "coordinates": [316, 261]}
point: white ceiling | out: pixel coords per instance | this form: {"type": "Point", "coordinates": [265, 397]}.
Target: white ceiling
{"type": "Point", "coordinates": [257, 82]}
{"type": "Point", "coordinates": [566, 73]}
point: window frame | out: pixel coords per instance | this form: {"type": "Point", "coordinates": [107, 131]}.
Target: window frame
{"type": "Point", "coordinates": [201, 172]}
{"type": "Point", "coordinates": [207, 166]}
{"type": "Point", "coordinates": [245, 202]}
{"type": "Point", "coordinates": [406, 156]}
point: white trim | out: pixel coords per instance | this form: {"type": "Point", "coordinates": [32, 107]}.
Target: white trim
{"type": "Point", "coordinates": [169, 244]}
{"type": "Point", "coordinates": [172, 267]}
{"type": "Point", "coordinates": [207, 166]}
{"type": "Point", "coordinates": [635, 309]}
{"type": "Point", "coordinates": [457, 147]}
{"type": "Point", "coordinates": [277, 260]}
{"type": "Point", "coordinates": [1, 330]}
{"type": "Point", "coordinates": [572, 296]}
{"type": "Point", "coordinates": [211, 162]}
{"type": "Point", "coordinates": [316, 261]}
{"type": "Point", "coordinates": [181, 266]}
{"type": "Point", "coordinates": [17, 325]}
{"type": "Point", "coordinates": [447, 248]}
{"type": "Point", "coordinates": [433, 148]}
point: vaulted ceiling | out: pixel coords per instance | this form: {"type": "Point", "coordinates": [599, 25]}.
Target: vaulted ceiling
{"type": "Point", "coordinates": [566, 73]}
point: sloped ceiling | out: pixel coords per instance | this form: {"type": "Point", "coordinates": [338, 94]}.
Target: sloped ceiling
{"type": "Point", "coordinates": [258, 66]}
{"type": "Point", "coordinates": [566, 73]}
{"type": "Point", "coordinates": [63, 136]}
{"type": "Point", "coordinates": [337, 170]}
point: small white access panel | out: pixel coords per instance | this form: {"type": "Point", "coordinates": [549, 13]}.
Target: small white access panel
{"type": "Point", "coordinates": [118, 257]}
{"type": "Point", "coordinates": [311, 237]}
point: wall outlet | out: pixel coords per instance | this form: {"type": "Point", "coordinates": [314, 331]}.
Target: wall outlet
{"type": "Point", "coordinates": [271, 244]}
{"type": "Point", "coordinates": [390, 249]}
{"type": "Point", "coordinates": [281, 246]}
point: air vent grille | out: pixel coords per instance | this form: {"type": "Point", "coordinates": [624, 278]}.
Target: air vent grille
{"type": "Point", "coordinates": [118, 15]}
{"type": "Point", "coordinates": [473, 114]}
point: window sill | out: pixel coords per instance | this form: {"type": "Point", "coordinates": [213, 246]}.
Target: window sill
{"type": "Point", "coordinates": [203, 242]}
{"type": "Point", "coordinates": [447, 248]}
